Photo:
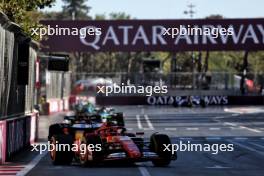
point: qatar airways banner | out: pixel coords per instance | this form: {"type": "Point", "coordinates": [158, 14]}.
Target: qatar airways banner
{"type": "Point", "coordinates": [153, 35]}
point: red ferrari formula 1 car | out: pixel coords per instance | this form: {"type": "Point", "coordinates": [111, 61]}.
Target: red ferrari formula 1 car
{"type": "Point", "coordinates": [94, 143]}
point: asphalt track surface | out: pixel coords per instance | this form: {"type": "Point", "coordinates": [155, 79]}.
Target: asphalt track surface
{"type": "Point", "coordinates": [241, 126]}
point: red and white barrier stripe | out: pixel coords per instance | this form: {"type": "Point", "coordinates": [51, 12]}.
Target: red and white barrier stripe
{"type": "Point", "coordinates": [7, 170]}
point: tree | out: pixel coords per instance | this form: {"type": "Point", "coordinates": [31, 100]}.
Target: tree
{"type": "Point", "coordinates": [52, 16]}
{"type": "Point", "coordinates": [105, 61]}
{"type": "Point", "coordinates": [24, 13]}
{"type": "Point", "coordinates": [76, 9]}
{"type": "Point", "coordinates": [119, 16]}
{"type": "Point", "coordinates": [215, 16]}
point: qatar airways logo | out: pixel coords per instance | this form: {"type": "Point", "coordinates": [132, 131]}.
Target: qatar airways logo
{"type": "Point", "coordinates": [129, 35]}
{"type": "Point", "coordinates": [111, 37]}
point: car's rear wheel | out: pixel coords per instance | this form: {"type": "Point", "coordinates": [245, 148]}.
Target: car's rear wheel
{"type": "Point", "coordinates": [157, 142]}
{"type": "Point", "coordinates": [61, 155]}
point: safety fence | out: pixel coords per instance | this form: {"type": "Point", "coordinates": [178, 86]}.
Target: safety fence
{"type": "Point", "coordinates": [15, 98]}
{"type": "Point", "coordinates": [16, 134]}
{"type": "Point", "coordinates": [7, 57]}
{"type": "Point", "coordinates": [213, 81]}
{"type": "Point", "coordinates": [18, 121]}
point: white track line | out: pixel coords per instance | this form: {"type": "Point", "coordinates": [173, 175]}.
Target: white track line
{"type": "Point", "coordinates": [241, 138]}
{"type": "Point", "coordinates": [242, 127]}
{"type": "Point", "coordinates": [246, 147]}
{"type": "Point", "coordinates": [148, 122]}
{"type": "Point", "coordinates": [147, 129]}
{"type": "Point", "coordinates": [170, 129]}
{"type": "Point", "coordinates": [213, 138]}
{"type": "Point", "coordinates": [250, 129]}
{"type": "Point", "coordinates": [258, 145]}
{"type": "Point", "coordinates": [214, 128]}
{"type": "Point", "coordinates": [139, 122]}
{"type": "Point", "coordinates": [32, 164]}
{"type": "Point", "coordinates": [217, 167]}
{"type": "Point", "coordinates": [230, 124]}
{"type": "Point", "coordinates": [192, 129]}
{"type": "Point", "coordinates": [144, 171]}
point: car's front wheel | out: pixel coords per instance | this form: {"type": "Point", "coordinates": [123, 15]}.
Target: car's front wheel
{"type": "Point", "coordinates": [157, 142]}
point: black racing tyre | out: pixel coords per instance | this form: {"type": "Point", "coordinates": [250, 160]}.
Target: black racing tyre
{"type": "Point", "coordinates": [56, 129]}
{"type": "Point", "coordinates": [62, 155]}
{"type": "Point", "coordinates": [157, 142]}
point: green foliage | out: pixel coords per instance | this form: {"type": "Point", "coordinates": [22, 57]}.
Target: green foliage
{"type": "Point", "coordinates": [107, 61]}
{"type": "Point", "coordinates": [71, 9]}
{"type": "Point", "coordinates": [113, 16]}
{"type": "Point", "coordinates": [52, 16]}
{"type": "Point", "coordinates": [100, 17]}
{"type": "Point", "coordinates": [24, 12]}
{"type": "Point", "coordinates": [119, 16]}
{"type": "Point", "coordinates": [256, 61]}
{"type": "Point", "coordinates": [233, 61]}
{"type": "Point", "coordinates": [76, 9]}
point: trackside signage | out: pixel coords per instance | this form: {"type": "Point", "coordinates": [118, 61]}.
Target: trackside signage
{"type": "Point", "coordinates": [148, 35]}
{"type": "Point", "coordinates": [179, 100]}
{"type": "Point", "coordinates": [173, 100]}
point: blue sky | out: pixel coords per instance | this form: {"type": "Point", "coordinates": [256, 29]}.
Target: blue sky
{"type": "Point", "coordinates": [169, 9]}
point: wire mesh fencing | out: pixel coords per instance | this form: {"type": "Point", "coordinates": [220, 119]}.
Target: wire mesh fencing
{"type": "Point", "coordinates": [214, 81]}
